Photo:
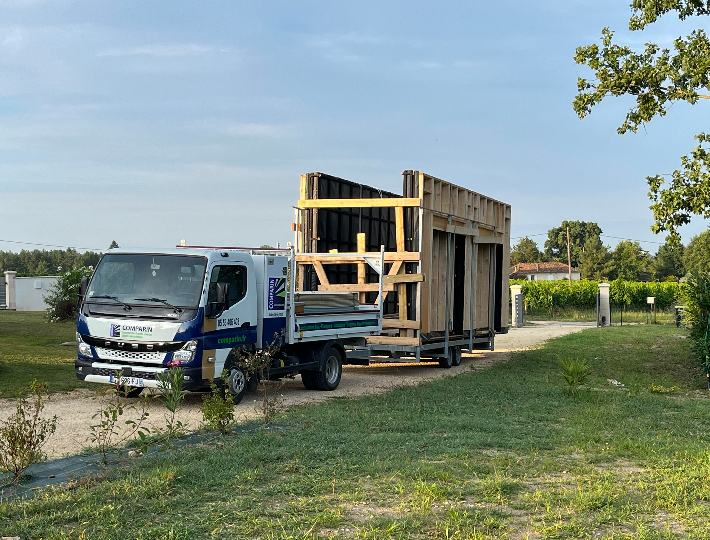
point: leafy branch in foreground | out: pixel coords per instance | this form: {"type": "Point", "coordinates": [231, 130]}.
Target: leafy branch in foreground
{"type": "Point", "coordinates": [24, 433]}
{"type": "Point", "coordinates": [657, 78]}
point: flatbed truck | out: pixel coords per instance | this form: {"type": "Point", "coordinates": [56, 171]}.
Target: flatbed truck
{"type": "Point", "coordinates": [144, 311]}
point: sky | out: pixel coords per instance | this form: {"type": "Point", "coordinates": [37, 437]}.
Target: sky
{"type": "Point", "coordinates": [148, 123]}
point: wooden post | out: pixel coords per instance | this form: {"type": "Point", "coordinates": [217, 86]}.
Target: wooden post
{"type": "Point", "coordinates": [361, 248]}
{"type": "Point", "coordinates": [569, 259]}
{"type": "Point", "coordinates": [402, 287]}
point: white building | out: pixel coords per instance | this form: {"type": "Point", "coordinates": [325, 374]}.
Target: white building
{"type": "Point", "coordinates": [545, 271]}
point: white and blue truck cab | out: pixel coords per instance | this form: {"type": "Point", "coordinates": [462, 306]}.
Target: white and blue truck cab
{"type": "Point", "coordinates": [145, 311]}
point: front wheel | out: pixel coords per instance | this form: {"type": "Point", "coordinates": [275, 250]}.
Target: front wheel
{"type": "Point", "coordinates": [236, 384]}
{"type": "Point", "coordinates": [328, 378]}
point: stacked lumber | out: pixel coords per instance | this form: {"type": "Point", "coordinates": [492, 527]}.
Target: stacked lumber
{"type": "Point", "coordinates": [435, 234]}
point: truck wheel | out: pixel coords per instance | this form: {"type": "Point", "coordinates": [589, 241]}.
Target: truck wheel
{"type": "Point", "coordinates": [130, 391]}
{"type": "Point", "coordinates": [236, 384]}
{"type": "Point", "coordinates": [328, 378]}
{"type": "Point", "coordinates": [457, 356]}
{"type": "Point", "coordinates": [447, 361]}
{"type": "Point", "coordinates": [307, 379]}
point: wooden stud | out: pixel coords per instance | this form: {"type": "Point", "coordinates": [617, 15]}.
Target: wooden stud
{"type": "Point", "coordinates": [400, 323]}
{"type": "Point", "coordinates": [392, 340]}
{"type": "Point", "coordinates": [322, 277]}
{"type": "Point", "coordinates": [404, 278]}
{"type": "Point", "coordinates": [390, 256]}
{"type": "Point", "coordinates": [361, 271]}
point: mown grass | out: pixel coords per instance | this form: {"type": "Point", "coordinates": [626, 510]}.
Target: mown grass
{"type": "Point", "coordinates": [502, 453]}
{"type": "Point", "coordinates": [31, 348]}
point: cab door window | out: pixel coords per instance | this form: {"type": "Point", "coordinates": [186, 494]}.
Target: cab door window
{"type": "Point", "coordinates": [233, 274]}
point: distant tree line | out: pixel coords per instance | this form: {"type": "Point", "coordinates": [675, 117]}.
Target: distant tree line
{"type": "Point", "coordinates": [46, 263]}
{"type": "Point", "coordinates": [627, 261]}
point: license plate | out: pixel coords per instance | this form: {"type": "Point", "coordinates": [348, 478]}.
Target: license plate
{"type": "Point", "coordinates": [126, 381]}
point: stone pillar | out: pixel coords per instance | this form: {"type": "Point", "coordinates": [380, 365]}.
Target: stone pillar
{"type": "Point", "coordinates": [516, 301]}
{"type": "Point", "coordinates": [604, 314]}
{"type": "Point", "coordinates": [10, 296]}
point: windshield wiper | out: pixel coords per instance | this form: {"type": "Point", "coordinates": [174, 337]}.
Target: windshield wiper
{"type": "Point", "coordinates": [126, 307]}
{"type": "Point", "coordinates": [176, 309]}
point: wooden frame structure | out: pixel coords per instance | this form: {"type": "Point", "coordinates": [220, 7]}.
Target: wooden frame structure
{"type": "Point", "coordinates": [447, 249]}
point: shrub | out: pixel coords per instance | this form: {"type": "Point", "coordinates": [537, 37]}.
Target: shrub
{"type": "Point", "coordinates": [170, 385]}
{"type": "Point", "coordinates": [696, 296]}
{"type": "Point", "coordinates": [24, 433]}
{"type": "Point", "coordinates": [63, 297]}
{"type": "Point", "coordinates": [575, 373]}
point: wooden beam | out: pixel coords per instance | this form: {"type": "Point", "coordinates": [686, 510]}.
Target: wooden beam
{"type": "Point", "coordinates": [322, 277]}
{"type": "Point", "coordinates": [393, 271]}
{"type": "Point", "coordinates": [390, 256]}
{"type": "Point", "coordinates": [391, 340]}
{"type": "Point", "coordinates": [399, 223]}
{"type": "Point", "coordinates": [487, 240]}
{"type": "Point", "coordinates": [354, 287]}
{"type": "Point", "coordinates": [400, 323]}
{"type": "Point", "coordinates": [358, 203]}
{"type": "Point", "coordinates": [361, 248]}
{"type": "Point", "coordinates": [468, 231]}
{"type": "Point", "coordinates": [404, 278]}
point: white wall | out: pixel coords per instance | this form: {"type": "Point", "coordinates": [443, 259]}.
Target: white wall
{"type": "Point", "coordinates": [30, 290]}
{"type": "Point", "coordinates": [546, 276]}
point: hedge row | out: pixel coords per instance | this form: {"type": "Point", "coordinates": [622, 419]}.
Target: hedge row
{"type": "Point", "coordinates": [546, 295]}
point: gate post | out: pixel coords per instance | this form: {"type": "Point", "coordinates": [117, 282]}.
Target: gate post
{"type": "Point", "coordinates": [604, 313]}
{"type": "Point", "coordinates": [10, 296]}
{"type": "Point", "coordinates": [516, 297]}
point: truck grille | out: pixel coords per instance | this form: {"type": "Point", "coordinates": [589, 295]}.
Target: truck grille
{"type": "Point", "coordinates": [111, 354]}
{"type": "Point", "coordinates": [149, 375]}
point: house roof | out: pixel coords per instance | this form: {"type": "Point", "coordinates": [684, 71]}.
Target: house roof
{"type": "Point", "coordinates": [524, 269]}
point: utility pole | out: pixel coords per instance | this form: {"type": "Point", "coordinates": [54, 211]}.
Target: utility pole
{"type": "Point", "coordinates": [569, 259]}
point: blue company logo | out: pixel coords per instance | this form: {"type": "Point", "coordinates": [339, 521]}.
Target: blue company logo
{"type": "Point", "coordinates": [277, 293]}
{"type": "Point", "coordinates": [115, 330]}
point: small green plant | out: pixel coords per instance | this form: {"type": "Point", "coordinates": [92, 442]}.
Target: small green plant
{"type": "Point", "coordinates": [62, 299]}
{"type": "Point", "coordinates": [258, 363]}
{"type": "Point", "coordinates": [24, 433]}
{"type": "Point", "coordinates": [575, 373]}
{"type": "Point", "coordinates": [107, 433]}
{"type": "Point", "coordinates": [170, 385]}
{"type": "Point", "coordinates": [218, 409]}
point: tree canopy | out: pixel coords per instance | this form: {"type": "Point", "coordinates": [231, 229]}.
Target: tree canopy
{"type": "Point", "coordinates": [656, 78]}
{"type": "Point", "coordinates": [629, 260]}
{"type": "Point", "coordinates": [525, 251]}
{"type": "Point", "coordinates": [581, 233]}
{"type": "Point", "coordinates": [669, 260]}
{"type": "Point", "coordinates": [697, 253]}
{"type": "Point", "coordinates": [46, 263]}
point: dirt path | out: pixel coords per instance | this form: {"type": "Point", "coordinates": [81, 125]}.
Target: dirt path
{"type": "Point", "coordinates": [74, 410]}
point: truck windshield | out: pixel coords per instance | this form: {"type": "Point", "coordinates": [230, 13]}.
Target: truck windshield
{"type": "Point", "coordinates": [173, 280]}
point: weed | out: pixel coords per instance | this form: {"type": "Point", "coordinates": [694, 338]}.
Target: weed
{"type": "Point", "coordinates": [218, 409]}
{"type": "Point", "coordinates": [575, 373]}
{"type": "Point", "coordinates": [170, 385]}
{"type": "Point", "coordinates": [24, 433]}
{"type": "Point", "coordinates": [108, 432]}
{"type": "Point", "coordinates": [660, 389]}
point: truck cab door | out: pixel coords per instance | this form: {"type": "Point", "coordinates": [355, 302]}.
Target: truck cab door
{"type": "Point", "coordinates": [236, 326]}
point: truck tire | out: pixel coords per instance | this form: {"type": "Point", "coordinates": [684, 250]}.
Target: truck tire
{"type": "Point", "coordinates": [447, 361]}
{"type": "Point", "coordinates": [457, 356]}
{"type": "Point", "coordinates": [236, 384]}
{"type": "Point", "coordinates": [307, 379]}
{"type": "Point", "coordinates": [328, 377]}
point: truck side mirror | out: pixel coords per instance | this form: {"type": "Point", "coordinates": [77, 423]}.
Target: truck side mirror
{"type": "Point", "coordinates": [216, 308]}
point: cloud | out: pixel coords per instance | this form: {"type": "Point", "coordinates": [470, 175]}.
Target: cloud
{"type": "Point", "coordinates": [165, 51]}
{"type": "Point", "coordinates": [258, 130]}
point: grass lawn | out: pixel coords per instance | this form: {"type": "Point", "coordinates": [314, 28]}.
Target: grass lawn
{"type": "Point", "coordinates": [503, 453]}
{"type": "Point", "coordinates": [30, 348]}
{"type": "Point", "coordinates": [590, 315]}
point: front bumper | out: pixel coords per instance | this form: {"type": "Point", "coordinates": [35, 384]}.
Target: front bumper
{"type": "Point", "coordinates": [100, 372]}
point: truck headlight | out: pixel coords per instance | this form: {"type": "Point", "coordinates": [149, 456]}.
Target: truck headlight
{"type": "Point", "coordinates": [186, 354]}
{"type": "Point", "coordinates": [84, 349]}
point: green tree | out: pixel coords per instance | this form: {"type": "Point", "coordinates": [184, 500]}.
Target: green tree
{"type": "Point", "coordinates": [628, 261]}
{"type": "Point", "coordinates": [696, 258]}
{"type": "Point", "coordinates": [113, 245]}
{"type": "Point", "coordinates": [594, 262]}
{"type": "Point", "coordinates": [668, 261]}
{"type": "Point", "coordinates": [656, 78]}
{"type": "Point", "coordinates": [525, 251]}
{"type": "Point", "coordinates": [581, 233]}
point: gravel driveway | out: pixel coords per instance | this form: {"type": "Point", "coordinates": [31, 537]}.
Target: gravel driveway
{"type": "Point", "coordinates": [74, 410]}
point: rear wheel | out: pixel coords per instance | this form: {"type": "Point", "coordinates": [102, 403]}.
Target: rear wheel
{"type": "Point", "coordinates": [447, 361]}
{"type": "Point", "coordinates": [328, 378]}
{"type": "Point", "coordinates": [457, 356]}
{"type": "Point", "coordinates": [236, 384]}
